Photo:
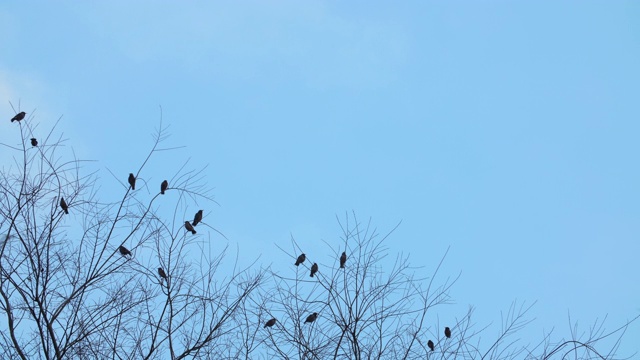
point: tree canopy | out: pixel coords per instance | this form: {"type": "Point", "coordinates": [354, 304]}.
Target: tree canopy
{"type": "Point", "coordinates": [88, 274]}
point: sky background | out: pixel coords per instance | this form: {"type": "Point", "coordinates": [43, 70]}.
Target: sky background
{"type": "Point", "coordinates": [506, 131]}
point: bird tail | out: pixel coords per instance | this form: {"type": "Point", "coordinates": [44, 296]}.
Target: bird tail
{"type": "Point", "coordinates": [193, 232]}
{"type": "Point", "coordinates": [66, 211]}
{"type": "Point", "coordinates": [162, 192]}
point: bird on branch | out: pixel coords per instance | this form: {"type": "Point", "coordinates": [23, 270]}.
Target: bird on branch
{"type": "Point", "coordinates": [197, 218]}
{"type": "Point", "coordinates": [189, 227]}
{"type": "Point", "coordinates": [162, 273]}
{"type": "Point", "coordinates": [132, 181]}
{"type": "Point", "coordinates": [19, 116]}
{"type": "Point", "coordinates": [301, 259]}
{"type": "Point", "coordinates": [270, 323]}
{"type": "Point", "coordinates": [311, 318]}
{"type": "Point", "coordinates": [64, 206]}
{"type": "Point", "coordinates": [124, 251]}
{"type": "Point", "coordinates": [164, 186]}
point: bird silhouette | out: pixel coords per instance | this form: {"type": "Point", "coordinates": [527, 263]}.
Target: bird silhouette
{"type": "Point", "coordinates": [132, 181]}
{"type": "Point", "coordinates": [314, 269]}
{"type": "Point", "coordinates": [164, 186]}
{"type": "Point", "coordinates": [64, 206]}
{"type": "Point", "coordinates": [19, 116]}
{"type": "Point", "coordinates": [431, 345]}
{"type": "Point", "coordinates": [311, 318]}
{"type": "Point", "coordinates": [447, 332]}
{"type": "Point", "coordinates": [343, 259]}
{"type": "Point", "coordinates": [124, 251]}
{"type": "Point", "coordinates": [187, 225]}
{"type": "Point", "coordinates": [162, 273]}
{"type": "Point", "coordinates": [34, 142]}
{"type": "Point", "coordinates": [301, 259]}
{"type": "Point", "coordinates": [197, 218]}
{"type": "Point", "coordinates": [270, 323]}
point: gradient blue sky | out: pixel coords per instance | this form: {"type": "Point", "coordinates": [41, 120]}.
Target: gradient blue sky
{"type": "Point", "coordinates": [506, 130]}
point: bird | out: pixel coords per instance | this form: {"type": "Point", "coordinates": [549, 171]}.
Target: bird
{"type": "Point", "coordinates": [311, 318]}
{"type": "Point", "coordinates": [132, 181]}
{"type": "Point", "coordinates": [447, 332]}
{"type": "Point", "coordinates": [431, 345]}
{"type": "Point", "coordinates": [314, 269]}
{"type": "Point", "coordinates": [197, 218]}
{"type": "Point", "coordinates": [34, 142]}
{"type": "Point", "coordinates": [124, 251]}
{"type": "Point", "coordinates": [301, 259]}
{"type": "Point", "coordinates": [64, 206]}
{"type": "Point", "coordinates": [270, 323]}
{"type": "Point", "coordinates": [164, 186]}
{"type": "Point", "coordinates": [188, 226]}
{"type": "Point", "coordinates": [19, 116]}
{"type": "Point", "coordinates": [343, 259]}
{"type": "Point", "coordinates": [162, 273]}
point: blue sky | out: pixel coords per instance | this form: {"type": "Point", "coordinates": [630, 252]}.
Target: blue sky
{"type": "Point", "coordinates": [507, 131]}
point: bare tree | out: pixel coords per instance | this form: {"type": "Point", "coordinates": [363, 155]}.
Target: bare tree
{"type": "Point", "coordinates": [375, 307]}
{"type": "Point", "coordinates": [68, 290]}
{"type": "Point", "coordinates": [87, 276]}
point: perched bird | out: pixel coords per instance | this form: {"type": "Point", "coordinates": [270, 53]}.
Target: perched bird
{"type": "Point", "coordinates": [447, 332]}
{"type": "Point", "coordinates": [132, 181]}
{"type": "Point", "coordinates": [164, 186]}
{"type": "Point", "coordinates": [197, 218]}
{"type": "Point", "coordinates": [64, 206]}
{"type": "Point", "coordinates": [311, 318]}
{"type": "Point", "coordinates": [314, 269]}
{"type": "Point", "coordinates": [124, 251]}
{"type": "Point", "coordinates": [162, 273]}
{"type": "Point", "coordinates": [301, 259]}
{"type": "Point", "coordinates": [187, 225]}
{"type": "Point", "coordinates": [431, 345]}
{"type": "Point", "coordinates": [270, 323]}
{"type": "Point", "coordinates": [34, 142]}
{"type": "Point", "coordinates": [19, 116]}
{"type": "Point", "coordinates": [343, 259]}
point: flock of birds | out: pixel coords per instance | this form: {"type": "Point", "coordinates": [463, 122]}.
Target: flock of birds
{"type": "Point", "coordinates": [311, 318]}
{"type": "Point", "coordinates": [163, 187]}
{"type": "Point", "coordinates": [19, 116]}
{"type": "Point", "coordinates": [190, 227]}
{"type": "Point", "coordinates": [132, 183]}
{"type": "Point", "coordinates": [187, 225]}
{"type": "Point", "coordinates": [314, 269]}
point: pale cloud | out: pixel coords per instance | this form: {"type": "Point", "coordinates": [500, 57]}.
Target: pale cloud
{"type": "Point", "coordinates": [309, 40]}
{"type": "Point", "coordinates": [6, 92]}
{"type": "Point", "coordinates": [12, 87]}
{"type": "Point", "coordinates": [10, 94]}
{"type": "Point", "coordinates": [27, 92]}
{"type": "Point", "coordinates": [43, 104]}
